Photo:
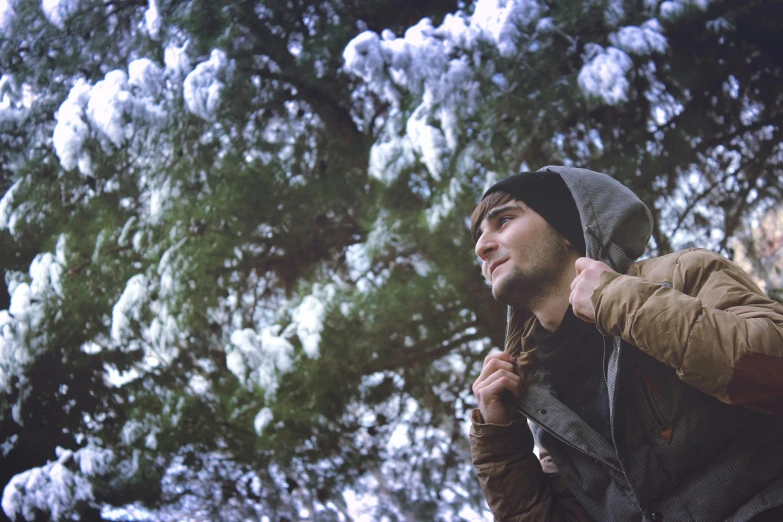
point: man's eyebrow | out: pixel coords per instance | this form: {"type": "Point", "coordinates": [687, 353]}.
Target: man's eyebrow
{"type": "Point", "coordinates": [492, 214]}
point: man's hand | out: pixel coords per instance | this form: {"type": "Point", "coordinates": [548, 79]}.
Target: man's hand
{"type": "Point", "coordinates": [497, 377]}
{"type": "Point", "coordinates": [587, 273]}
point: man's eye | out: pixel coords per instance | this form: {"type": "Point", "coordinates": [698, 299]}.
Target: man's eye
{"type": "Point", "coordinates": [504, 220]}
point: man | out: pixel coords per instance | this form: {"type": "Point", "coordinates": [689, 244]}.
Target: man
{"type": "Point", "coordinates": [655, 386]}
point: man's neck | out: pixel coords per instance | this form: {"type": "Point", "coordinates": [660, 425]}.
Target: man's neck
{"type": "Point", "coordinates": [551, 308]}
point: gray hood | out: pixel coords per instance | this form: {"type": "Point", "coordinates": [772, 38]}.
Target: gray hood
{"type": "Point", "coordinates": [616, 224]}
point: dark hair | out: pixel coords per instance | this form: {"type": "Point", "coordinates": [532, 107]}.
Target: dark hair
{"type": "Point", "coordinates": [488, 203]}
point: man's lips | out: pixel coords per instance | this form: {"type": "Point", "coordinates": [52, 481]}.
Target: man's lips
{"type": "Point", "coordinates": [495, 264]}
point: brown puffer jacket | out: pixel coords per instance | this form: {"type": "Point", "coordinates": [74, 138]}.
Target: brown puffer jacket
{"type": "Point", "coordinates": [700, 315]}
{"type": "Point", "coordinates": [715, 326]}
{"type": "Point", "coordinates": [518, 487]}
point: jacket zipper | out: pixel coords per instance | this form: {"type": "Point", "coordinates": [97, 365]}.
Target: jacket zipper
{"type": "Point", "coordinates": [635, 497]}
{"type": "Point", "coordinates": [561, 439]}
{"type": "Point", "coordinates": [649, 388]}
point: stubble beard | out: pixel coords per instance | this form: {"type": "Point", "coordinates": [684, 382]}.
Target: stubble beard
{"type": "Point", "coordinates": [525, 287]}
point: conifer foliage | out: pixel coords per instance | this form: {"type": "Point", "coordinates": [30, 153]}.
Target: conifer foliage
{"type": "Point", "coordinates": [240, 278]}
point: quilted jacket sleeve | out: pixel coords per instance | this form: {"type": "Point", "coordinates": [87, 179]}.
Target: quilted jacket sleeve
{"type": "Point", "coordinates": [510, 474]}
{"type": "Point", "coordinates": [707, 320]}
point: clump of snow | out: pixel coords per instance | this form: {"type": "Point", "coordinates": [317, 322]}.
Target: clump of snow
{"type": "Point", "coordinates": [128, 309]}
{"type": "Point", "coordinates": [718, 25]}
{"type": "Point", "coordinates": [123, 240]}
{"type": "Point", "coordinates": [8, 445]}
{"type": "Point", "coordinates": [109, 99]}
{"type": "Point", "coordinates": [438, 66]}
{"type": "Point", "coordinates": [152, 20]}
{"type": "Point", "coordinates": [91, 348]}
{"type": "Point", "coordinates": [7, 15]}
{"type": "Point", "coordinates": [113, 377]}
{"type": "Point", "coordinates": [6, 205]}
{"type": "Point", "coordinates": [389, 158]}
{"type": "Point", "coordinates": [364, 55]}
{"type": "Point", "coordinates": [161, 196]}
{"type": "Point", "coordinates": [7, 81]}
{"type": "Point", "coordinates": [614, 14]}
{"type": "Point", "coordinates": [107, 112]}
{"type": "Point", "coordinates": [643, 40]}
{"type": "Point", "coordinates": [444, 205]}
{"type": "Point", "coordinates": [422, 63]}
{"type": "Point", "coordinates": [71, 131]}
{"type": "Point", "coordinates": [93, 460]}
{"type": "Point", "coordinates": [145, 75]}
{"type": "Point", "coordinates": [162, 334]}
{"type": "Point", "coordinates": [60, 250]}
{"type": "Point", "coordinates": [309, 320]}
{"type": "Point", "coordinates": [141, 322]}
{"type": "Point", "coordinates": [131, 431]}
{"type": "Point", "coordinates": [203, 87]}
{"type": "Point", "coordinates": [151, 440]}
{"type": "Point", "coordinates": [46, 275]}
{"type": "Point", "coordinates": [358, 260]}
{"type": "Point", "coordinates": [429, 142]}
{"type": "Point", "coordinates": [259, 359]}
{"type": "Point", "coordinates": [58, 11]}
{"type": "Point", "coordinates": [673, 8]}
{"type": "Point", "coordinates": [56, 488]}
{"type": "Point", "coordinates": [358, 257]}
{"type": "Point", "coordinates": [21, 337]}
{"type": "Point", "coordinates": [603, 76]}
{"type": "Point", "coordinates": [545, 25]}
{"type": "Point", "coordinates": [262, 420]}
{"type": "Point", "coordinates": [199, 384]}
{"type": "Point", "coordinates": [504, 19]}
{"type": "Point", "coordinates": [8, 350]}
{"type": "Point", "coordinates": [176, 60]}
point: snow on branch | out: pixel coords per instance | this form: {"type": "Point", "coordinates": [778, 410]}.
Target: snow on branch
{"type": "Point", "coordinates": [21, 325]}
{"type": "Point", "coordinates": [204, 85]}
{"type": "Point", "coordinates": [604, 74]}
{"type": "Point", "coordinates": [7, 16]}
{"type": "Point", "coordinates": [643, 40]}
{"type": "Point", "coordinates": [128, 309]}
{"type": "Point", "coordinates": [674, 8]}
{"type": "Point", "coordinates": [504, 21]}
{"type": "Point", "coordinates": [440, 68]}
{"type": "Point", "coordinates": [109, 112]}
{"type": "Point", "coordinates": [260, 359]}
{"type": "Point", "coordinates": [150, 324]}
{"type": "Point", "coordinates": [57, 487]}
{"type": "Point", "coordinates": [152, 20]}
{"type": "Point", "coordinates": [58, 11]}
{"type": "Point", "coordinates": [7, 206]}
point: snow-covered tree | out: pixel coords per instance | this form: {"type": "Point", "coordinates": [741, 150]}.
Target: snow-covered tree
{"type": "Point", "coordinates": [240, 280]}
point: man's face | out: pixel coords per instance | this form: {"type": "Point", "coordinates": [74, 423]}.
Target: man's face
{"type": "Point", "coordinates": [521, 253]}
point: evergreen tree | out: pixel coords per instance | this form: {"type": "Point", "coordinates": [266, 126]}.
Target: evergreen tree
{"type": "Point", "coordinates": [241, 282]}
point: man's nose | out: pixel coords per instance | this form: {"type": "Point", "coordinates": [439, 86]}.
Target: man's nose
{"type": "Point", "coordinates": [485, 246]}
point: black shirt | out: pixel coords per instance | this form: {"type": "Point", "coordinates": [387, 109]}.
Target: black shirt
{"type": "Point", "coordinates": [574, 356]}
